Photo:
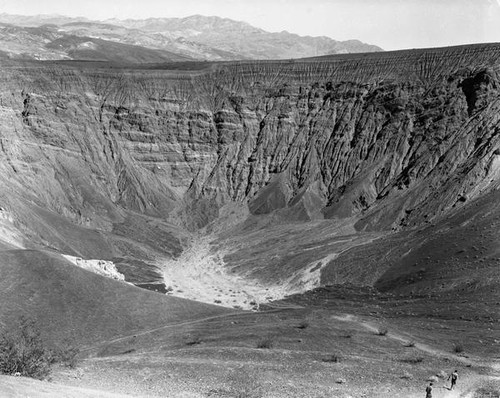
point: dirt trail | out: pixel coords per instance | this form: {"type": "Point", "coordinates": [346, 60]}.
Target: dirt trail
{"type": "Point", "coordinates": [97, 346]}
{"type": "Point", "coordinates": [466, 388]}
{"type": "Point", "coordinates": [405, 338]}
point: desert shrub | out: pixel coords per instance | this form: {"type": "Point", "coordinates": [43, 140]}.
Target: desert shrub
{"type": "Point", "coordinates": [265, 342]}
{"type": "Point", "coordinates": [413, 360]}
{"type": "Point", "coordinates": [382, 331]}
{"type": "Point", "coordinates": [65, 355]}
{"type": "Point", "coordinates": [458, 348]}
{"type": "Point", "coordinates": [332, 358]}
{"type": "Point", "coordinates": [127, 351]}
{"type": "Point", "coordinates": [304, 324]}
{"type": "Point", "coordinates": [23, 352]}
{"type": "Point", "coordinates": [193, 340]}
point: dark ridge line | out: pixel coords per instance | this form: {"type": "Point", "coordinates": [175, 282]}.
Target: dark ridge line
{"type": "Point", "coordinates": [460, 47]}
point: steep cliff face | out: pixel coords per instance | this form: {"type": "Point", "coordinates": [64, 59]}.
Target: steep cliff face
{"type": "Point", "coordinates": [387, 140]}
{"type": "Point", "coordinates": [272, 134]}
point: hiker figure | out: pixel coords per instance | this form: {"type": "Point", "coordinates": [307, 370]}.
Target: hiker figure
{"type": "Point", "coordinates": [453, 377]}
{"type": "Point", "coordinates": [428, 391]}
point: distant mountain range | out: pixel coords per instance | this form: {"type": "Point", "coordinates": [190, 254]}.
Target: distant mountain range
{"type": "Point", "coordinates": [54, 37]}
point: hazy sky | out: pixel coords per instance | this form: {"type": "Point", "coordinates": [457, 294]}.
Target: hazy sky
{"type": "Point", "coordinates": [391, 24]}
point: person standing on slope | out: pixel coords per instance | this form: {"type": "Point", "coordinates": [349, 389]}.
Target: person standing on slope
{"type": "Point", "coordinates": [428, 391]}
{"type": "Point", "coordinates": [453, 377]}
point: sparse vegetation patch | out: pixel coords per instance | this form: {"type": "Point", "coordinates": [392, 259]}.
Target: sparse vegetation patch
{"type": "Point", "coordinates": [193, 340]}
{"type": "Point", "coordinates": [304, 324]}
{"type": "Point", "coordinates": [66, 355]}
{"type": "Point", "coordinates": [23, 352]}
{"type": "Point", "coordinates": [266, 342]}
{"type": "Point", "coordinates": [412, 360]}
{"type": "Point", "coordinates": [332, 358]}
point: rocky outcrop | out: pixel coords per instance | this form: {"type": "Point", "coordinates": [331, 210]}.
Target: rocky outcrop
{"type": "Point", "coordinates": [99, 267]}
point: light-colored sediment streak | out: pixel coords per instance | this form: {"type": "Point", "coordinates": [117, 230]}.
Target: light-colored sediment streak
{"type": "Point", "coordinates": [100, 267]}
{"type": "Point", "coordinates": [200, 274]}
{"type": "Point", "coordinates": [310, 277]}
{"type": "Point", "coordinates": [8, 232]}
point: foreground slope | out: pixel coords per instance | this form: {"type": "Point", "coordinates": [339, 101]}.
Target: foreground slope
{"type": "Point", "coordinates": [72, 304]}
{"type": "Point", "coordinates": [321, 350]}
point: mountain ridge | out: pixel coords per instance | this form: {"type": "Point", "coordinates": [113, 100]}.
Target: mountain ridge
{"type": "Point", "coordinates": [196, 37]}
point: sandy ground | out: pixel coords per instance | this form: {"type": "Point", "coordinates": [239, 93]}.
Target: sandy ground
{"type": "Point", "coordinates": [23, 387]}
{"type": "Point", "coordinates": [201, 275]}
